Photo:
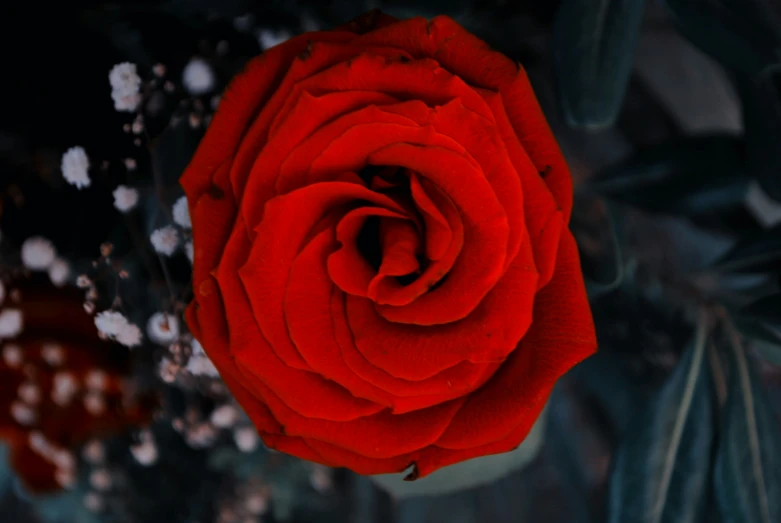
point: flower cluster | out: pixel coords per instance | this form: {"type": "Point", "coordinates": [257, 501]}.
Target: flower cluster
{"type": "Point", "coordinates": [61, 387]}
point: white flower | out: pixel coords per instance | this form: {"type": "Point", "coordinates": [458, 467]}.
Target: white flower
{"type": "Point", "coordinates": [224, 416]}
{"type": "Point", "coordinates": [11, 323]}
{"type": "Point", "coordinates": [256, 503]}
{"type": "Point", "coordinates": [202, 366]}
{"type": "Point", "coordinates": [197, 348]}
{"type": "Point", "coordinates": [162, 328]}
{"type": "Point", "coordinates": [96, 379]}
{"type": "Point", "coordinates": [199, 363]}
{"type": "Point", "coordinates": [110, 322]}
{"type": "Point", "coordinates": [53, 354]}
{"type": "Point", "coordinates": [64, 388]}
{"type": "Point", "coordinates": [129, 335]}
{"type": "Point", "coordinates": [93, 502]}
{"type": "Point", "coordinates": [198, 77]}
{"type": "Point", "coordinates": [94, 452]}
{"type": "Point", "coordinates": [100, 479]}
{"type": "Point", "coordinates": [165, 240]}
{"type": "Point", "coordinates": [59, 271]}
{"type": "Point", "coordinates": [182, 213]}
{"type": "Point", "coordinates": [38, 253]}
{"type": "Point", "coordinates": [75, 167]}
{"type": "Point", "coordinates": [188, 249]}
{"type": "Point", "coordinates": [269, 38]}
{"type": "Point", "coordinates": [125, 85]}
{"type": "Point", "coordinates": [23, 414]}
{"type": "Point", "coordinates": [12, 355]}
{"type": "Point", "coordinates": [145, 453]}
{"type": "Point", "coordinates": [125, 198]}
{"type": "Point", "coordinates": [246, 439]}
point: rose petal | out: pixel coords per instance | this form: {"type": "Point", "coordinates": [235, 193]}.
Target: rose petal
{"type": "Point", "coordinates": [561, 336]}
{"type": "Point", "coordinates": [346, 266]}
{"type": "Point", "coordinates": [289, 218]}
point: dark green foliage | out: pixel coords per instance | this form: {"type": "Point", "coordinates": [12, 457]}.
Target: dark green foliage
{"type": "Point", "coordinates": [593, 52]}
{"type": "Point", "coordinates": [747, 474]}
{"type": "Point", "coordinates": [689, 176]}
{"type": "Point", "coordinates": [662, 468]}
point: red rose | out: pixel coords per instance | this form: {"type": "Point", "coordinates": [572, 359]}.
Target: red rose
{"type": "Point", "coordinates": [383, 274]}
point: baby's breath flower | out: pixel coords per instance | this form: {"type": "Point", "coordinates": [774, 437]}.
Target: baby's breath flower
{"type": "Point", "coordinates": [145, 452]}
{"type": "Point", "coordinates": [224, 416]}
{"type": "Point", "coordinates": [162, 328]}
{"type": "Point", "coordinates": [202, 366]}
{"type": "Point", "coordinates": [75, 167]}
{"type": "Point", "coordinates": [12, 355]}
{"type": "Point", "coordinates": [11, 323]}
{"type": "Point", "coordinates": [168, 370]}
{"type": "Point", "coordinates": [246, 438]}
{"type": "Point", "coordinates": [100, 479]}
{"type": "Point", "coordinates": [94, 452]}
{"type": "Point", "coordinates": [256, 503]}
{"type": "Point", "coordinates": [93, 502]}
{"type": "Point", "coordinates": [125, 198]}
{"type": "Point", "coordinates": [59, 271]}
{"type": "Point", "coordinates": [38, 253]}
{"type": "Point", "coordinates": [125, 85]}
{"type": "Point", "coordinates": [188, 250]}
{"type": "Point", "coordinates": [199, 363]}
{"type": "Point", "coordinates": [182, 213]}
{"type": "Point", "coordinates": [110, 323]}
{"type": "Point", "coordinates": [198, 77]}
{"type": "Point", "coordinates": [165, 240]}
{"type": "Point", "coordinates": [269, 38]}
{"type": "Point", "coordinates": [129, 335]}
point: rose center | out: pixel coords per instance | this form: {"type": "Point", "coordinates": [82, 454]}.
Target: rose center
{"type": "Point", "coordinates": [394, 182]}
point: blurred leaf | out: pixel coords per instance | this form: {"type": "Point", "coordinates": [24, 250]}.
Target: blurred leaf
{"type": "Point", "coordinates": [761, 99]}
{"type": "Point", "coordinates": [594, 45]}
{"type": "Point", "coordinates": [763, 337]}
{"type": "Point", "coordinates": [747, 474]}
{"type": "Point", "coordinates": [568, 456]}
{"type": "Point", "coordinates": [605, 378]}
{"type": "Point", "coordinates": [661, 470]}
{"type": "Point", "coordinates": [757, 252]}
{"type": "Point", "coordinates": [741, 34]}
{"type": "Point", "coordinates": [767, 309]}
{"type": "Point", "coordinates": [689, 176]}
{"type": "Point", "coordinates": [614, 266]}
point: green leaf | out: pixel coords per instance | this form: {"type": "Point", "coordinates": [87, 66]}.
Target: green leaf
{"type": "Point", "coordinates": [741, 34]}
{"type": "Point", "coordinates": [662, 468]}
{"type": "Point", "coordinates": [747, 475]}
{"type": "Point", "coordinates": [761, 99]}
{"type": "Point", "coordinates": [756, 252]}
{"type": "Point", "coordinates": [594, 45]}
{"type": "Point", "coordinates": [614, 266]}
{"type": "Point", "coordinates": [767, 309]}
{"type": "Point", "coordinates": [691, 176]}
{"type": "Point", "coordinates": [766, 339]}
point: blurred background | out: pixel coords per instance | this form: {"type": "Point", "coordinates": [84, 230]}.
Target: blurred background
{"type": "Point", "coordinates": [669, 114]}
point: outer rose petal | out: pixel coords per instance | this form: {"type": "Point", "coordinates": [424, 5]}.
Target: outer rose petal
{"type": "Point", "coordinates": [468, 57]}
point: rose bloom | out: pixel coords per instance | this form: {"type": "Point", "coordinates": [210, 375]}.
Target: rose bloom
{"type": "Point", "coordinates": [383, 272]}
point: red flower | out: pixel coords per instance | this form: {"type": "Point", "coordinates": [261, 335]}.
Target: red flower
{"type": "Point", "coordinates": [60, 385]}
{"type": "Point", "coordinates": [383, 272]}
